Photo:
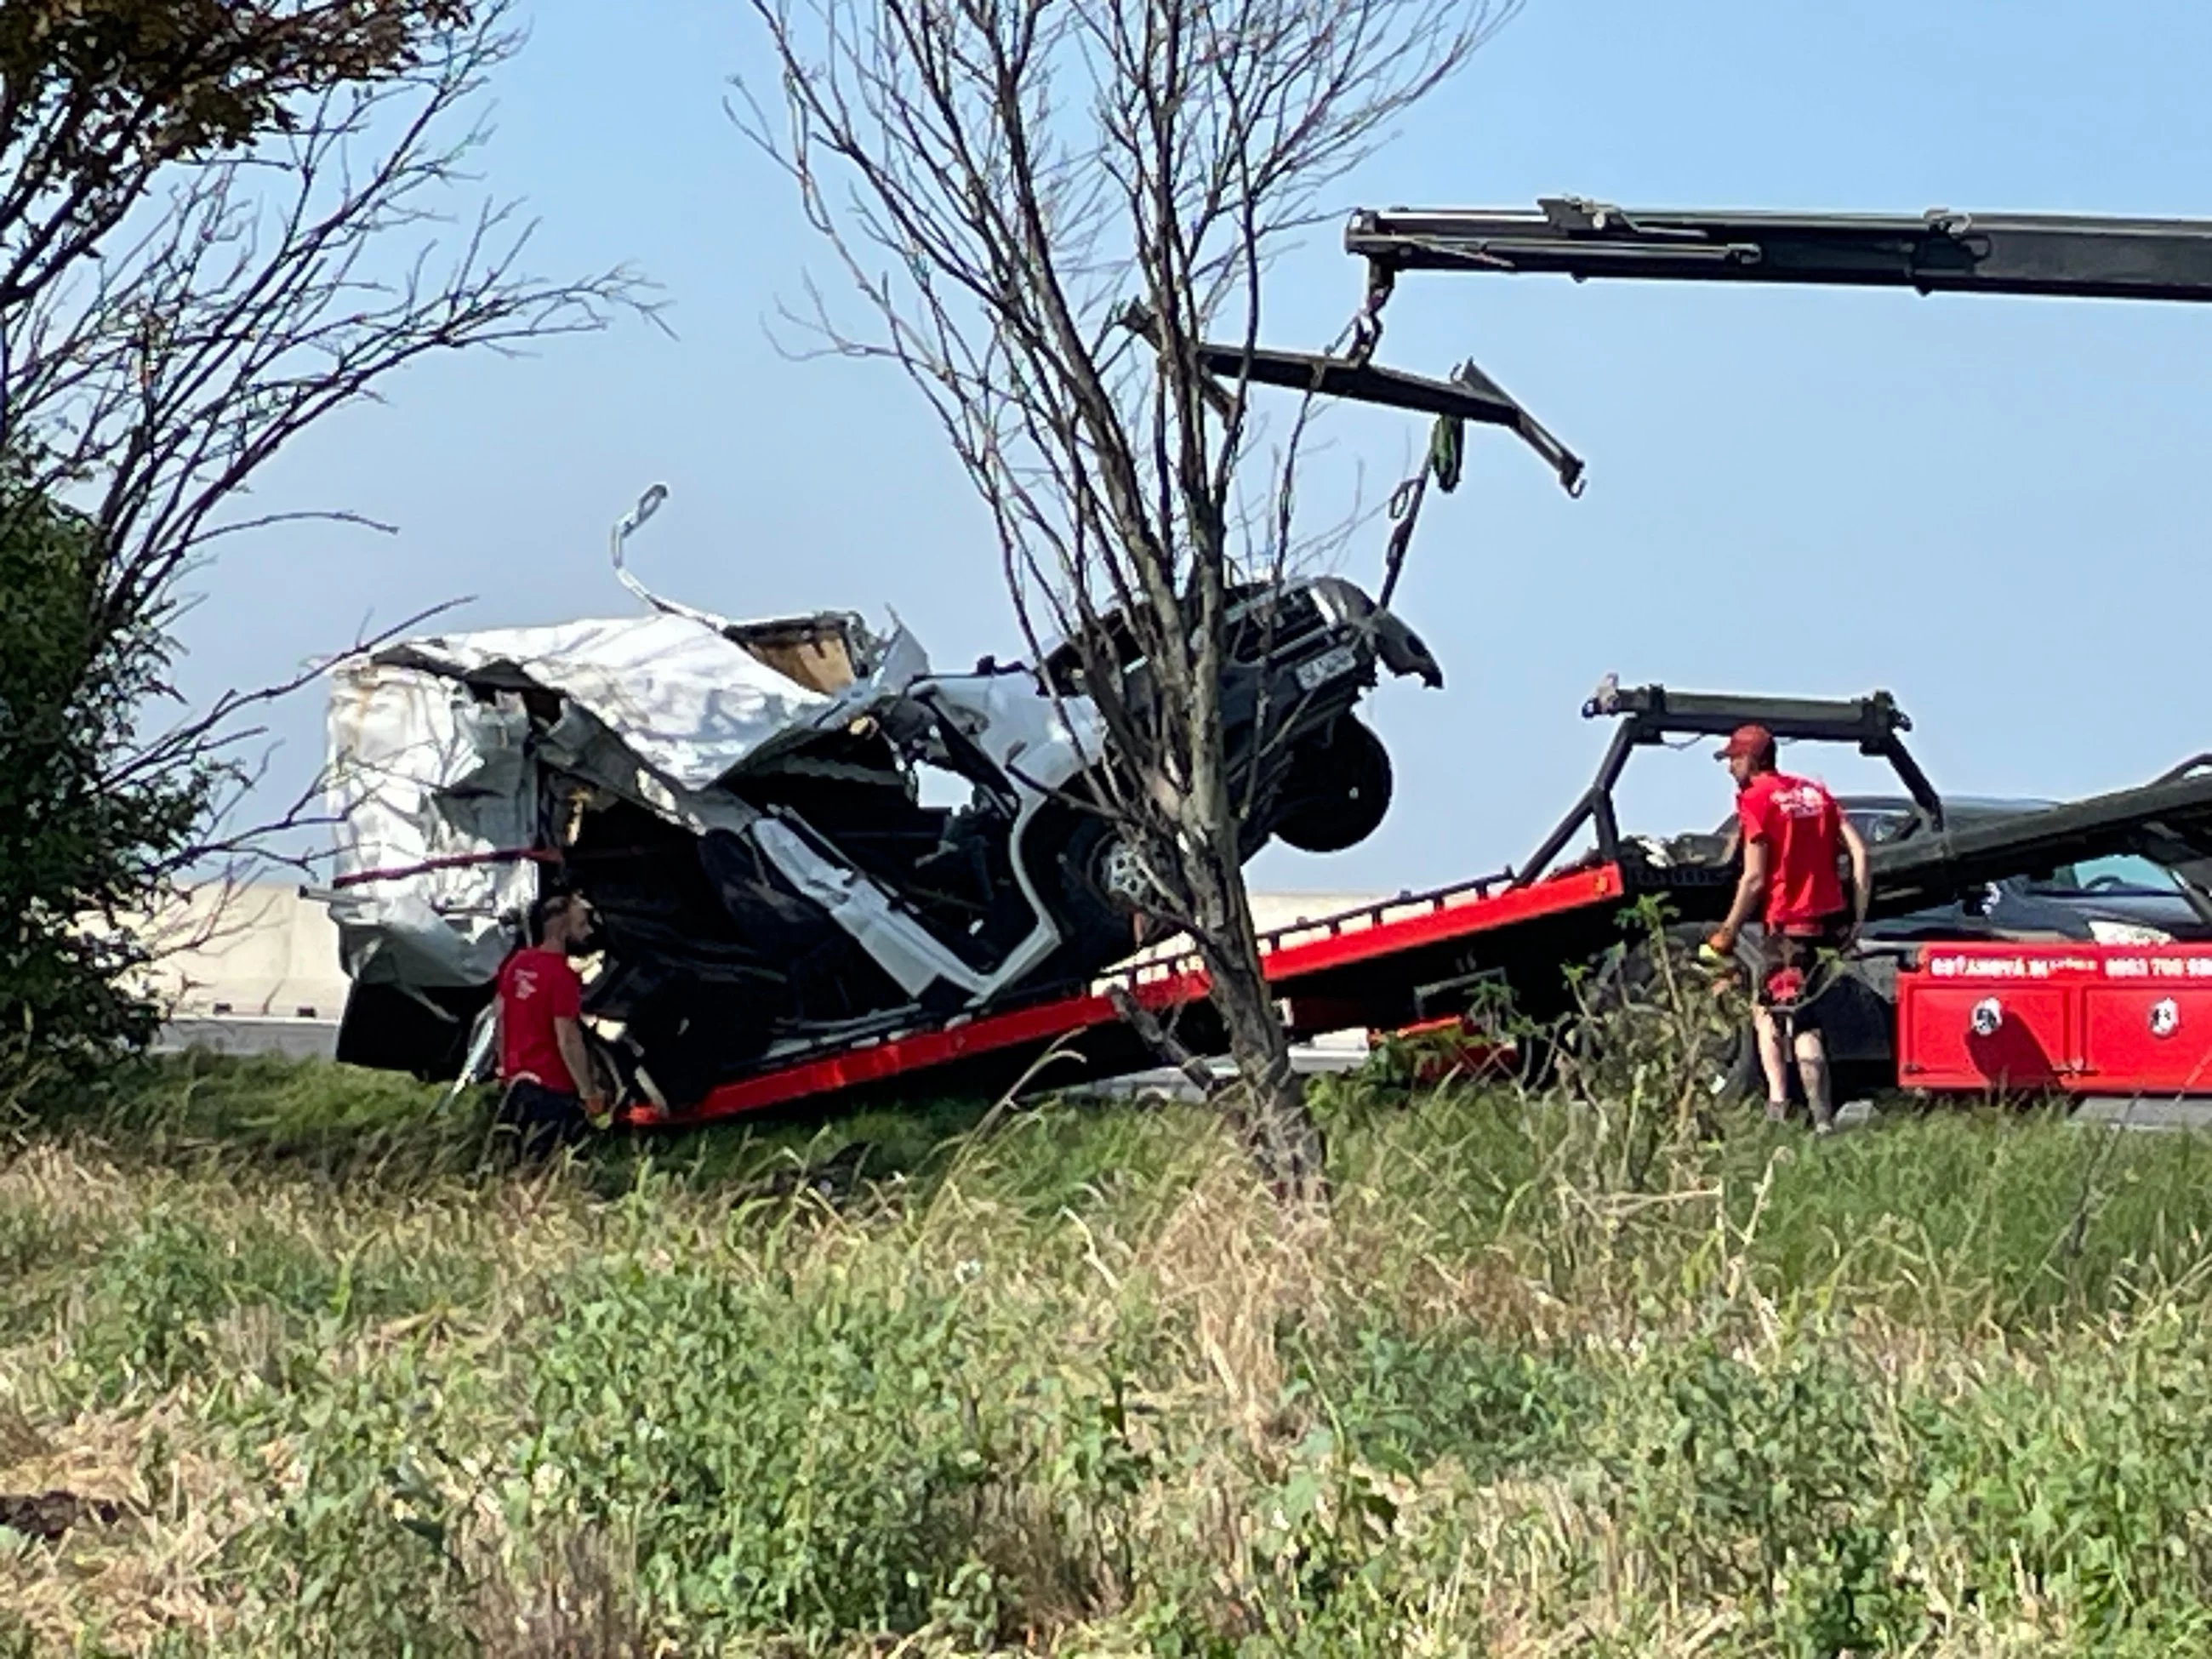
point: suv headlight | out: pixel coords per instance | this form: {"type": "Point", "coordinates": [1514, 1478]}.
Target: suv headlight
{"type": "Point", "coordinates": [2127, 933]}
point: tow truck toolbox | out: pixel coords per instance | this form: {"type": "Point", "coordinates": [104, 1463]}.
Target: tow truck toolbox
{"type": "Point", "coordinates": [2106, 1019]}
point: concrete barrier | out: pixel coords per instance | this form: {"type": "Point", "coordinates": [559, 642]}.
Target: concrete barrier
{"type": "Point", "coordinates": [255, 949]}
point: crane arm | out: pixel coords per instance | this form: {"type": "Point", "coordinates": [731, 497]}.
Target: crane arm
{"type": "Point", "coordinates": [1938, 251]}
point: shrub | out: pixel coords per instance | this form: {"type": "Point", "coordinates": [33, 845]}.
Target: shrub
{"type": "Point", "coordinates": [794, 1456]}
{"type": "Point", "coordinates": [1761, 1482]}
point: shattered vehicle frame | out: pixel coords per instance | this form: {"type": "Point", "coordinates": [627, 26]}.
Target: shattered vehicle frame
{"type": "Point", "coordinates": [788, 829]}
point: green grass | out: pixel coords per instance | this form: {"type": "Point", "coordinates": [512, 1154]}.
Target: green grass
{"type": "Point", "coordinates": [1551, 1376]}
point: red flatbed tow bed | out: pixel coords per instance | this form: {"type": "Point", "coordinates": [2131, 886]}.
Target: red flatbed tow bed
{"type": "Point", "coordinates": [1366, 967]}
{"type": "Point", "coordinates": [1389, 965]}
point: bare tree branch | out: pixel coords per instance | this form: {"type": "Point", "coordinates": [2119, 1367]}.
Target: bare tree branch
{"type": "Point", "coordinates": [221, 221]}
{"type": "Point", "coordinates": [998, 179]}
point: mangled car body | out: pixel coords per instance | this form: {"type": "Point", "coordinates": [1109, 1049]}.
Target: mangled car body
{"type": "Point", "coordinates": [790, 831]}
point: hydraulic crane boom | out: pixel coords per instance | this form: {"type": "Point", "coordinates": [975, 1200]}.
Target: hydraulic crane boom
{"type": "Point", "coordinates": [1939, 252]}
{"type": "Point", "coordinates": [2072, 256]}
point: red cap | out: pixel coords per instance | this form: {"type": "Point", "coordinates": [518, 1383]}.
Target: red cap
{"type": "Point", "coordinates": [1753, 742]}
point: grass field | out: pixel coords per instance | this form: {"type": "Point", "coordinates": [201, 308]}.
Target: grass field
{"type": "Point", "coordinates": [1550, 1378]}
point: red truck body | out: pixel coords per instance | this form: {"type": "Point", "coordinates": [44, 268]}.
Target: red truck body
{"type": "Point", "coordinates": [2106, 1019]}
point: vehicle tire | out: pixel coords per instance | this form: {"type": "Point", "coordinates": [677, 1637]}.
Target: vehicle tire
{"type": "Point", "coordinates": [1338, 790]}
{"type": "Point", "coordinates": [1737, 1074]}
{"type": "Point", "coordinates": [1097, 894]}
{"type": "Point", "coordinates": [1726, 1061]}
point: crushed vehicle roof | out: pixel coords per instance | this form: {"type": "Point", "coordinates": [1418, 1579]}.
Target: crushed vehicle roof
{"type": "Point", "coordinates": [684, 698]}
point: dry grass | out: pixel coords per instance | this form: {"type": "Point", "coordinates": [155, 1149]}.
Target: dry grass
{"type": "Point", "coordinates": [152, 1570]}
{"type": "Point", "coordinates": [1079, 1387]}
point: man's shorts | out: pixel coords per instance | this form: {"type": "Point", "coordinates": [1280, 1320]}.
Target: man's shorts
{"type": "Point", "coordinates": [1796, 969]}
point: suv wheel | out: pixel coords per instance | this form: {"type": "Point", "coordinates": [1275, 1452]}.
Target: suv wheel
{"type": "Point", "coordinates": [1097, 890]}
{"type": "Point", "coordinates": [1338, 790]}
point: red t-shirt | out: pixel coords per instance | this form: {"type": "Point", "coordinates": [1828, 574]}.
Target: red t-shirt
{"type": "Point", "coordinates": [535, 987]}
{"type": "Point", "coordinates": [1802, 828]}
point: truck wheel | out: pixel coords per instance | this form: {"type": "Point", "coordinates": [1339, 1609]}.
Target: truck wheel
{"type": "Point", "coordinates": [1097, 890]}
{"type": "Point", "coordinates": [1339, 790]}
{"type": "Point", "coordinates": [1736, 1072]}
{"type": "Point", "coordinates": [1724, 1062]}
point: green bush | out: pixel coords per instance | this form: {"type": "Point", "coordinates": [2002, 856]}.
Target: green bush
{"type": "Point", "coordinates": [85, 838]}
{"type": "Point", "coordinates": [1762, 1483]}
{"type": "Point", "coordinates": [2088, 1479]}
{"type": "Point", "coordinates": [1406, 1402]}
{"type": "Point", "coordinates": [357, 1549]}
{"type": "Point", "coordinates": [786, 1456]}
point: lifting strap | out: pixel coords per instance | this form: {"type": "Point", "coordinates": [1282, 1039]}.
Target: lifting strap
{"type": "Point", "coordinates": [1446, 456]}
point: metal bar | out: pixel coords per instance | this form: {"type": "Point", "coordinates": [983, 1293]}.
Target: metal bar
{"type": "Point", "coordinates": [1916, 781]}
{"type": "Point", "coordinates": [1923, 870]}
{"type": "Point", "coordinates": [1601, 792]}
{"type": "Point", "coordinates": [1469, 395]}
{"type": "Point", "coordinates": [1652, 713]}
{"type": "Point", "coordinates": [1606, 825]}
{"type": "Point", "coordinates": [1556, 842]}
{"type": "Point", "coordinates": [1658, 712]}
{"type": "Point", "coordinates": [2081, 256]}
{"type": "Point", "coordinates": [454, 861]}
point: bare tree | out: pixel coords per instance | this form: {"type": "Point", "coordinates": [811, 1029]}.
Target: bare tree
{"type": "Point", "coordinates": [1047, 205]}
{"type": "Point", "coordinates": [221, 221]}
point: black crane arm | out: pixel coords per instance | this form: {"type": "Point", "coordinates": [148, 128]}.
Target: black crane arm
{"type": "Point", "coordinates": [1468, 395]}
{"type": "Point", "coordinates": [1939, 252]}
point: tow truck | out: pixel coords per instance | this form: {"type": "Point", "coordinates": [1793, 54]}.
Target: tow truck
{"type": "Point", "coordinates": [1391, 964]}
{"type": "Point", "coordinates": [1422, 955]}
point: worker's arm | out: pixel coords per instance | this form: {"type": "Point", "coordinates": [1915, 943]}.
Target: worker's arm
{"type": "Point", "coordinates": [1750, 889]}
{"type": "Point", "coordinates": [1861, 887]}
{"type": "Point", "coordinates": [568, 1034]}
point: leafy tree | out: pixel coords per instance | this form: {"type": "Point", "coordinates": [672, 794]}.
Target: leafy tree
{"type": "Point", "coordinates": [78, 847]}
{"type": "Point", "coordinates": [221, 221]}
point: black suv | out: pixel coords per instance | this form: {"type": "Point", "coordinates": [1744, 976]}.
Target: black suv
{"type": "Point", "coordinates": [2123, 898]}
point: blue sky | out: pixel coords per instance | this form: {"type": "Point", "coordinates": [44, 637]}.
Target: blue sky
{"type": "Point", "coordinates": [1996, 508]}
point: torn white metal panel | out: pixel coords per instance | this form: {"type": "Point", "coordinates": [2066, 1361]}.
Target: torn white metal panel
{"type": "Point", "coordinates": [1021, 732]}
{"type": "Point", "coordinates": [579, 745]}
{"type": "Point", "coordinates": [422, 771]}
{"type": "Point", "coordinates": [902, 948]}
{"type": "Point", "coordinates": [683, 700]}
{"type": "Point", "coordinates": [687, 702]}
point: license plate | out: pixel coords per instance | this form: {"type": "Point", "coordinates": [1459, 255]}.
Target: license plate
{"type": "Point", "coordinates": [1333, 663]}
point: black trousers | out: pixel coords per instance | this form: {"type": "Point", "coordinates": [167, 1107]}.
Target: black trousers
{"type": "Point", "coordinates": [542, 1118]}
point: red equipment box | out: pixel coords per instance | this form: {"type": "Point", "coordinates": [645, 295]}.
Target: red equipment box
{"type": "Point", "coordinates": [2087, 1019]}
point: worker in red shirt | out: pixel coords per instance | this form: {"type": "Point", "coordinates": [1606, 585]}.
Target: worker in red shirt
{"type": "Point", "coordinates": [550, 1083]}
{"type": "Point", "coordinates": [1792, 835]}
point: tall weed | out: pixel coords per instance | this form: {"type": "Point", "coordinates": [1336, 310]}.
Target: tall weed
{"type": "Point", "coordinates": [1595, 1364]}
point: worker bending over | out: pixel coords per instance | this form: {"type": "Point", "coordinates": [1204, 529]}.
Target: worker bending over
{"type": "Point", "coordinates": [550, 1086]}
{"type": "Point", "coordinates": [1791, 833]}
